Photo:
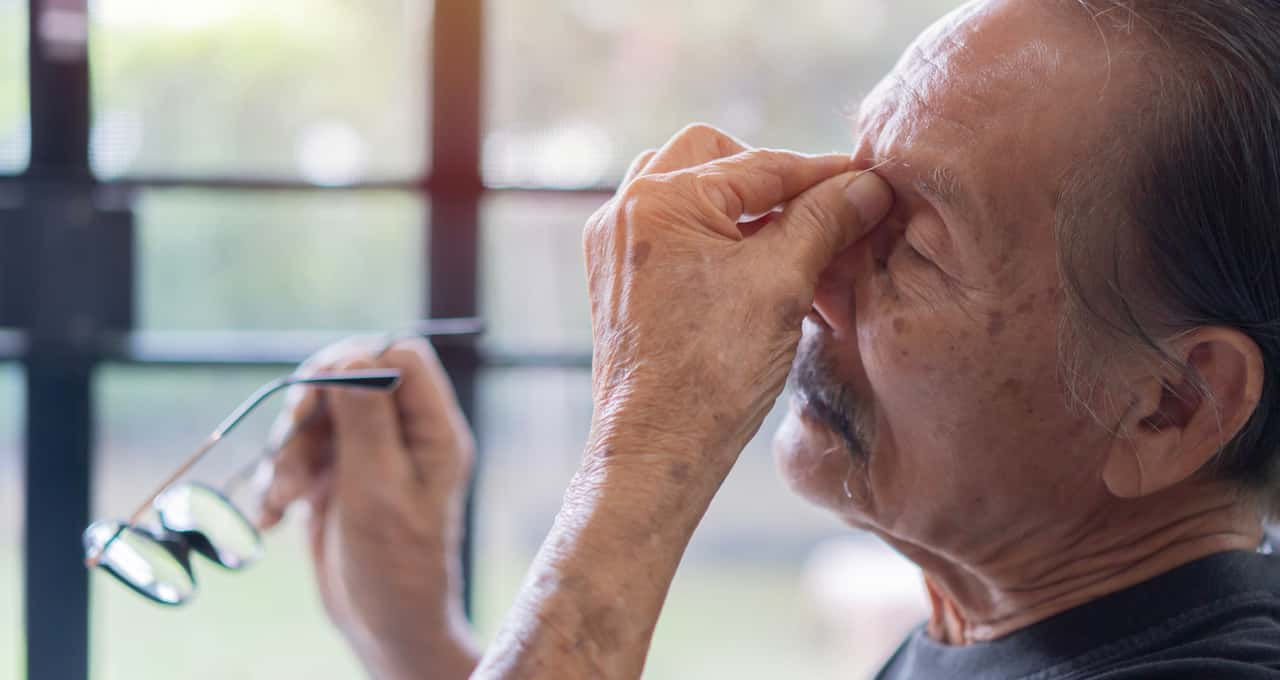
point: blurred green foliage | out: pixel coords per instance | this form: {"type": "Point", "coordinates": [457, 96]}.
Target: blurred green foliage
{"type": "Point", "coordinates": [231, 87]}
{"type": "Point", "coordinates": [213, 260]}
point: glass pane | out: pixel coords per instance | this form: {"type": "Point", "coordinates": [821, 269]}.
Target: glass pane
{"type": "Point", "coordinates": [15, 120]}
{"type": "Point", "coordinates": [770, 587]}
{"type": "Point", "coordinates": [327, 91]}
{"type": "Point", "coordinates": [577, 88]}
{"type": "Point", "coordinates": [263, 622]}
{"type": "Point", "coordinates": [533, 285]}
{"type": "Point", "coordinates": [13, 650]}
{"type": "Point", "coordinates": [272, 260]}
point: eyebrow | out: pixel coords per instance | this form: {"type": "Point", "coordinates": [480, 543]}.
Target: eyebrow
{"type": "Point", "coordinates": [943, 185]}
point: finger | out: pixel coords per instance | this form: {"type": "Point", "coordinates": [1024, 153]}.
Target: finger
{"type": "Point", "coordinates": [329, 357]}
{"type": "Point", "coordinates": [755, 181]}
{"type": "Point", "coordinates": [300, 437]}
{"type": "Point", "coordinates": [828, 218]}
{"type": "Point", "coordinates": [319, 498]}
{"type": "Point", "coordinates": [302, 457]}
{"type": "Point", "coordinates": [432, 421]}
{"type": "Point", "coordinates": [368, 444]}
{"type": "Point", "coordinates": [638, 166]}
{"type": "Point", "coordinates": [694, 145]}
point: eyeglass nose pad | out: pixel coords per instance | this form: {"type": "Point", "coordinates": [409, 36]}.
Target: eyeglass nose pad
{"type": "Point", "coordinates": [211, 525]}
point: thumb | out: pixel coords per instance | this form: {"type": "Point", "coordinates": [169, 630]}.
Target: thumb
{"type": "Point", "coordinates": [829, 217]}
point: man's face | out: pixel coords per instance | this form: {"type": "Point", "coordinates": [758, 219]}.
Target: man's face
{"type": "Point", "coordinates": [927, 400]}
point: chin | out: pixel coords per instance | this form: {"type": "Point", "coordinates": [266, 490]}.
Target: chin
{"type": "Point", "coordinates": [814, 461]}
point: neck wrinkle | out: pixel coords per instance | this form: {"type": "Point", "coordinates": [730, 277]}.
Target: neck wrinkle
{"type": "Point", "coordinates": [980, 602]}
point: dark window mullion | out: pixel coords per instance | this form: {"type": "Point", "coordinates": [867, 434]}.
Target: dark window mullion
{"type": "Point", "coordinates": [455, 189]}
{"type": "Point", "coordinates": [52, 244]}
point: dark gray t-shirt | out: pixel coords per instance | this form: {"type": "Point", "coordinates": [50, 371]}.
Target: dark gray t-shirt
{"type": "Point", "coordinates": [1217, 617]}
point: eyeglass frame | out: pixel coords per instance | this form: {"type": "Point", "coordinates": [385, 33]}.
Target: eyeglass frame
{"type": "Point", "coordinates": [386, 379]}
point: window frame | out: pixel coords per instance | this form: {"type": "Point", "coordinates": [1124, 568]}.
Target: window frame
{"type": "Point", "coordinates": [68, 288]}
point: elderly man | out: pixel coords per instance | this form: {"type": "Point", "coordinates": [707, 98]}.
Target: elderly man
{"type": "Point", "coordinates": [1035, 350]}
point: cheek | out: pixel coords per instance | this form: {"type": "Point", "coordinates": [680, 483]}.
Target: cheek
{"type": "Point", "coordinates": [954, 380]}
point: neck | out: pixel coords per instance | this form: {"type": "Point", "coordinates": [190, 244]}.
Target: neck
{"type": "Point", "coordinates": [986, 595]}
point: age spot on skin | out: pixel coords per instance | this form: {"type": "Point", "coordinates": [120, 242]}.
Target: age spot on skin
{"type": "Point", "coordinates": [1027, 306]}
{"type": "Point", "coordinates": [996, 324]}
{"type": "Point", "coordinates": [640, 254]}
{"type": "Point", "coordinates": [1012, 387]}
{"type": "Point", "coordinates": [900, 325]}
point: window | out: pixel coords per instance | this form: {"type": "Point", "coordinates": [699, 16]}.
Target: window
{"type": "Point", "coordinates": [577, 88]}
{"type": "Point", "coordinates": [217, 260]}
{"type": "Point", "coordinates": [264, 622]}
{"type": "Point", "coordinates": [329, 92]}
{"type": "Point", "coordinates": [533, 285]}
{"type": "Point", "coordinates": [293, 166]}
{"type": "Point", "coordinates": [11, 498]}
{"type": "Point", "coordinates": [15, 132]}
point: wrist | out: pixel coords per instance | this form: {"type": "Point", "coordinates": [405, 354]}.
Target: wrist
{"type": "Point", "coordinates": [445, 651]}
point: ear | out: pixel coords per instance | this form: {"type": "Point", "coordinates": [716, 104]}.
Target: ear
{"type": "Point", "coordinates": [1172, 427]}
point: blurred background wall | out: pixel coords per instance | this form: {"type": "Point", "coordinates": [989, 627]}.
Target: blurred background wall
{"type": "Point", "coordinates": [256, 169]}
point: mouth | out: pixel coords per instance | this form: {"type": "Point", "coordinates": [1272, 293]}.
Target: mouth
{"type": "Point", "coordinates": [820, 400]}
{"type": "Point", "coordinates": [821, 414]}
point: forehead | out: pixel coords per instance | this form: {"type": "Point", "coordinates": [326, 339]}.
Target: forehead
{"type": "Point", "coordinates": [1004, 96]}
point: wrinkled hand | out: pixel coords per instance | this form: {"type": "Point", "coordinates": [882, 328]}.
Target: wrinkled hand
{"type": "Point", "coordinates": [696, 317]}
{"type": "Point", "coordinates": [385, 477]}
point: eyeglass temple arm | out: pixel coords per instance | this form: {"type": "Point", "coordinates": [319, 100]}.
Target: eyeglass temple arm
{"type": "Point", "coordinates": [426, 328]}
{"type": "Point", "coordinates": [377, 379]}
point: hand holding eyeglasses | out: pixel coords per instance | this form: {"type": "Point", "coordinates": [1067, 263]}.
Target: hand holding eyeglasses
{"type": "Point", "coordinates": [385, 478]}
{"type": "Point", "coordinates": [384, 474]}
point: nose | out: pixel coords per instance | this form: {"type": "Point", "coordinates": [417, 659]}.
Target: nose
{"type": "Point", "coordinates": [834, 297]}
{"type": "Point", "coordinates": [836, 293]}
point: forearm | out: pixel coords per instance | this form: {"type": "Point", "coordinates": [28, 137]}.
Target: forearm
{"type": "Point", "coordinates": [593, 595]}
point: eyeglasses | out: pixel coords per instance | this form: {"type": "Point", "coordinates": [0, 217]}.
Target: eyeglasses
{"type": "Point", "coordinates": [156, 561]}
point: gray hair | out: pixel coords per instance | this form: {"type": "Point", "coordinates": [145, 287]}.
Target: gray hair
{"type": "Point", "coordinates": [1190, 236]}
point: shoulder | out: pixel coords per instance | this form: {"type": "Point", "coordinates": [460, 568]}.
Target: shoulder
{"type": "Point", "coordinates": [1236, 639]}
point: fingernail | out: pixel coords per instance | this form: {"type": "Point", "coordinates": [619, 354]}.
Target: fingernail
{"type": "Point", "coordinates": [870, 196]}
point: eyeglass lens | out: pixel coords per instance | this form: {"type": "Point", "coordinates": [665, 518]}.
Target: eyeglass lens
{"type": "Point", "coordinates": [142, 562]}
{"type": "Point", "coordinates": [199, 517]}
{"type": "Point", "coordinates": [230, 539]}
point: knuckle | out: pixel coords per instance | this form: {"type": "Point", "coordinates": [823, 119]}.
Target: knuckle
{"type": "Point", "coordinates": [717, 189]}
{"type": "Point", "coordinates": [594, 225]}
{"type": "Point", "coordinates": [699, 131]}
{"type": "Point", "coordinates": [357, 361]}
{"type": "Point", "coordinates": [409, 352]}
{"type": "Point", "coordinates": [758, 156]}
{"type": "Point", "coordinates": [639, 197]}
{"type": "Point", "coordinates": [643, 157]}
{"type": "Point", "coordinates": [332, 356]}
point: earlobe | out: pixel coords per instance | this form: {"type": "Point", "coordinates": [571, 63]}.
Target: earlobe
{"type": "Point", "coordinates": [1122, 473]}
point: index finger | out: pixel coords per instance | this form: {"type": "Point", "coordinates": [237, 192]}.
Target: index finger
{"type": "Point", "coordinates": [425, 399]}
{"type": "Point", "coordinates": [757, 180]}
